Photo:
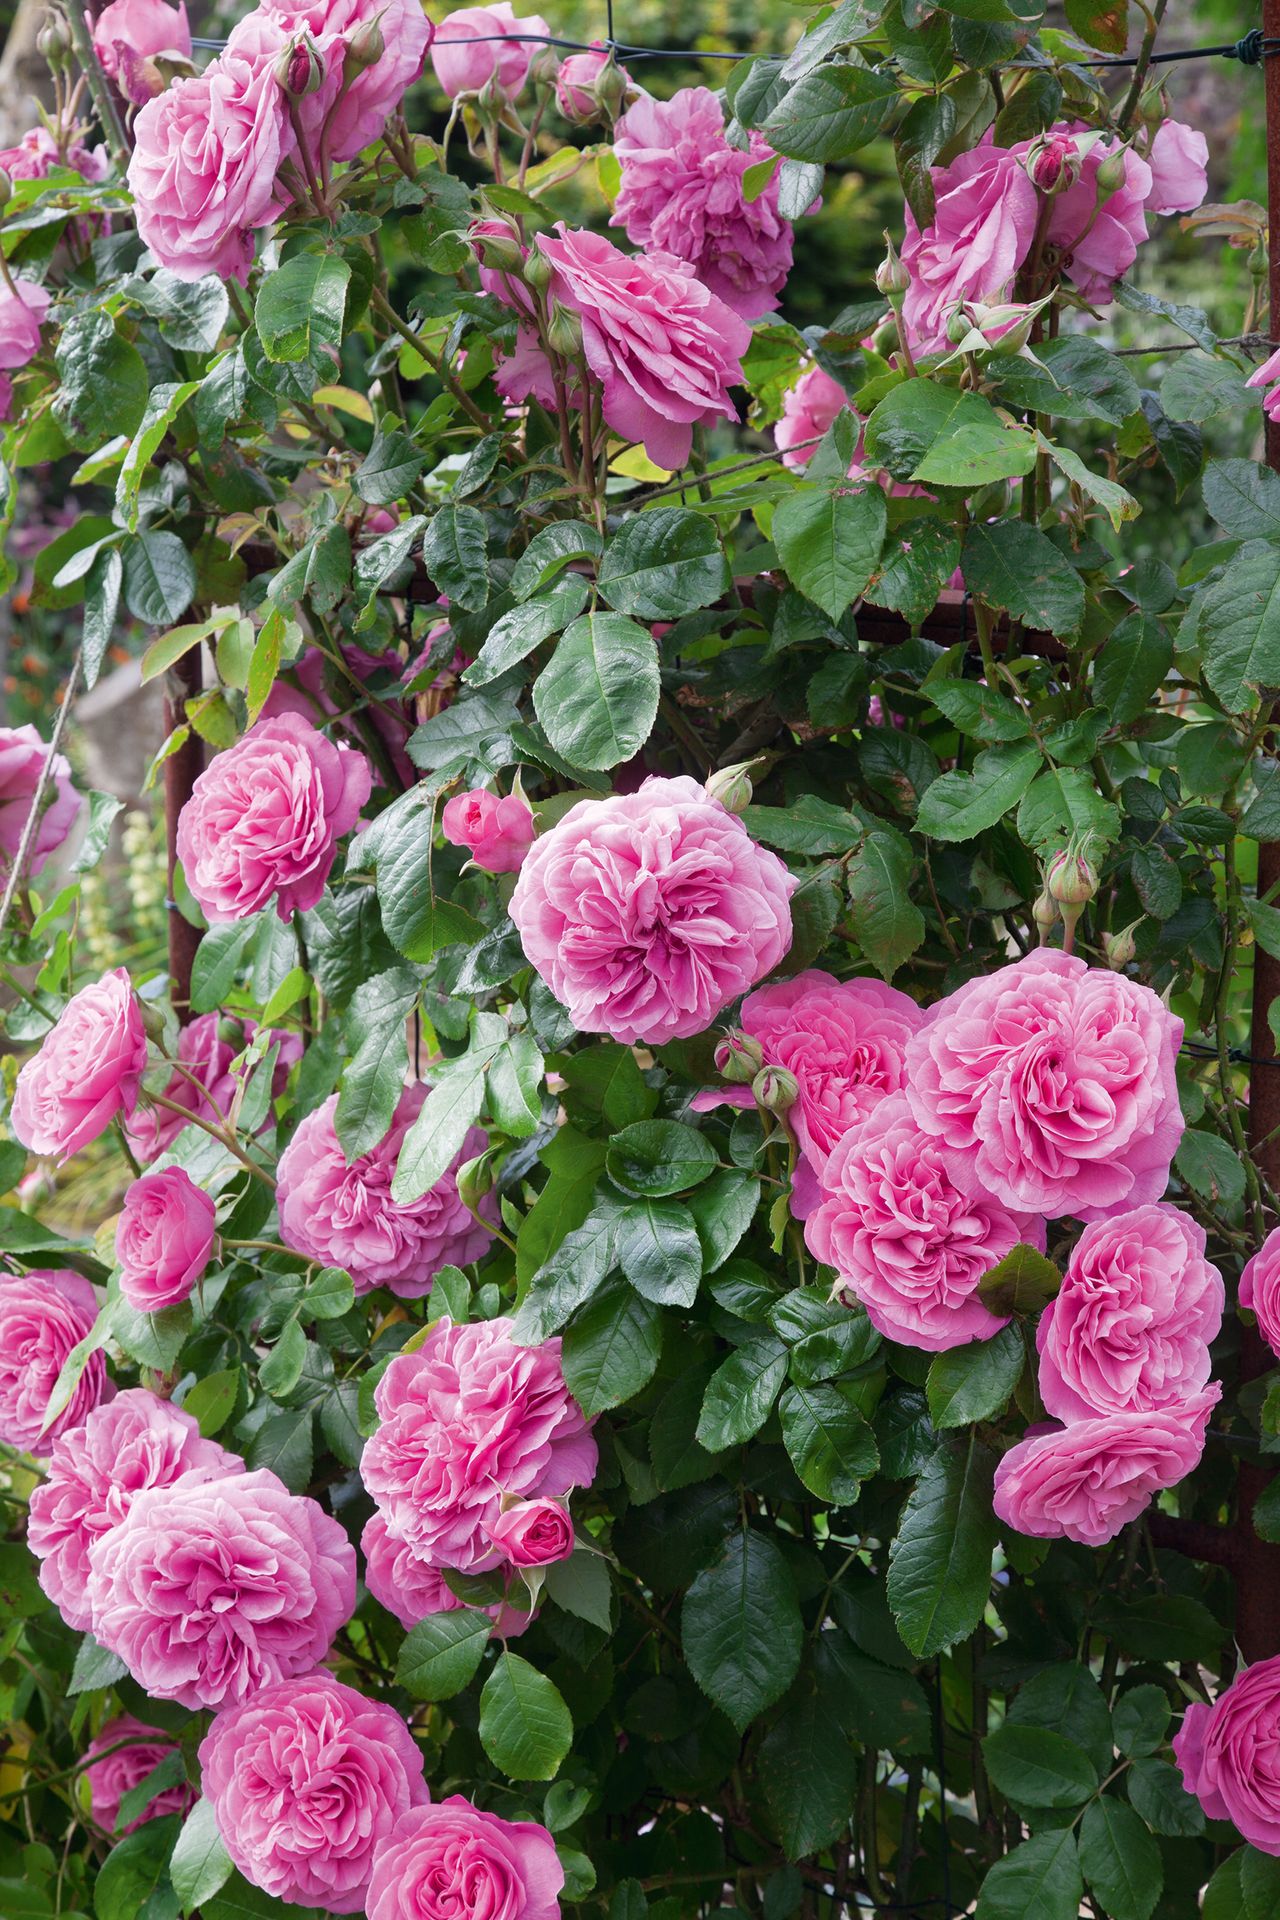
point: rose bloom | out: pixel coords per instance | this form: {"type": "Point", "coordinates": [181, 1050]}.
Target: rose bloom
{"type": "Point", "coordinates": [23, 306]}
{"type": "Point", "coordinates": [22, 757]}
{"type": "Point", "coordinates": [89, 1069]}
{"type": "Point", "coordinates": [43, 1315]}
{"type": "Point", "coordinates": [1129, 1331]}
{"type": "Point", "coordinates": [1056, 1080]}
{"type": "Point", "coordinates": [496, 829]}
{"type": "Point", "coordinates": [664, 349]}
{"type": "Point", "coordinates": [210, 1591]}
{"type": "Point", "coordinates": [577, 84]}
{"type": "Point", "coordinates": [450, 1861]}
{"type": "Point", "coordinates": [469, 1417]}
{"type": "Point", "coordinates": [809, 406]}
{"type": "Point", "coordinates": [207, 1046]}
{"type": "Point", "coordinates": [907, 1236]}
{"type": "Point", "coordinates": [412, 1590]}
{"type": "Point", "coordinates": [1266, 376]}
{"type": "Point", "coordinates": [649, 912]}
{"type": "Point", "coordinates": [306, 1780]}
{"type": "Point", "coordinates": [682, 193]}
{"type": "Point", "coordinates": [1100, 244]}
{"type": "Point", "coordinates": [130, 31]}
{"type": "Point", "coordinates": [96, 1470]}
{"type": "Point", "coordinates": [205, 171]}
{"type": "Point", "coordinates": [1260, 1289]}
{"type": "Point", "coordinates": [346, 118]}
{"type": "Point", "coordinates": [1229, 1754]}
{"type": "Point", "coordinates": [475, 45]}
{"type": "Point", "coordinates": [1178, 161]}
{"type": "Point", "coordinates": [844, 1040]}
{"type": "Point", "coordinates": [533, 1533]}
{"type": "Point", "coordinates": [37, 154]}
{"type": "Point", "coordinates": [983, 223]}
{"type": "Point", "coordinates": [118, 1773]}
{"type": "Point", "coordinates": [344, 1216]}
{"type": "Point", "coordinates": [1086, 1482]}
{"type": "Point", "coordinates": [164, 1238]}
{"type": "Point", "coordinates": [265, 817]}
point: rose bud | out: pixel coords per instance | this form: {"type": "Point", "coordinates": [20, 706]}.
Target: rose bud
{"type": "Point", "coordinates": [731, 786]}
{"type": "Point", "coordinates": [739, 1058]}
{"type": "Point", "coordinates": [775, 1089]}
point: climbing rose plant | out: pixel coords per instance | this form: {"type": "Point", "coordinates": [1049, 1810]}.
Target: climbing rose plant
{"type": "Point", "coordinates": [681, 1321]}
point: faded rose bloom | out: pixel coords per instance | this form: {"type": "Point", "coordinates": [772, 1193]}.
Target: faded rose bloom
{"type": "Point", "coordinates": [96, 1470]}
{"type": "Point", "coordinates": [983, 223]}
{"type": "Point", "coordinates": [22, 757]}
{"type": "Point", "coordinates": [809, 406]}
{"type": "Point", "coordinates": [43, 1316]}
{"type": "Point", "coordinates": [1086, 1482]}
{"type": "Point", "coordinates": [37, 154]}
{"type": "Point", "coordinates": [130, 31]}
{"type": "Point", "coordinates": [23, 306]}
{"type": "Point", "coordinates": [1178, 161]}
{"type": "Point", "coordinates": [343, 1214]}
{"type": "Point", "coordinates": [116, 1774]}
{"type": "Point", "coordinates": [89, 1069]}
{"type": "Point", "coordinates": [1227, 1754]}
{"type": "Point", "coordinates": [264, 819]}
{"type": "Point", "coordinates": [496, 829]}
{"type": "Point", "coordinates": [207, 1046]}
{"type": "Point", "coordinates": [1129, 1331]}
{"type": "Point", "coordinates": [164, 1239]}
{"type": "Point", "coordinates": [1100, 244]}
{"type": "Point", "coordinates": [412, 1589]}
{"type": "Point", "coordinates": [307, 1779]}
{"type": "Point", "coordinates": [450, 1861]}
{"type": "Point", "coordinates": [476, 45]}
{"type": "Point", "coordinates": [647, 913]}
{"type": "Point", "coordinates": [533, 1533]}
{"type": "Point", "coordinates": [342, 119]}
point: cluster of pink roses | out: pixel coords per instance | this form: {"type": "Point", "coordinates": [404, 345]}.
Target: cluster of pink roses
{"type": "Point", "coordinates": [1227, 1754]}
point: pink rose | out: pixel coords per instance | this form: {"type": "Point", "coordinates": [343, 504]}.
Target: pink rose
{"type": "Point", "coordinates": [467, 1418]}
{"type": "Point", "coordinates": [343, 1215]}
{"type": "Point", "coordinates": [1267, 375]}
{"type": "Point", "coordinates": [450, 1861]}
{"type": "Point", "coordinates": [577, 84]}
{"type": "Point", "coordinates": [412, 1590]}
{"type": "Point", "coordinates": [533, 1533]}
{"type": "Point", "coordinates": [1130, 1330]}
{"type": "Point", "coordinates": [340, 120]}
{"type": "Point", "coordinates": [96, 1470]}
{"type": "Point", "coordinates": [37, 154]}
{"type": "Point", "coordinates": [1260, 1289]}
{"type": "Point", "coordinates": [1056, 1081]}
{"type": "Point", "coordinates": [265, 817]}
{"type": "Point", "coordinates": [207, 1046]}
{"type": "Point", "coordinates": [205, 171]}
{"type": "Point", "coordinates": [164, 1238]}
{"type": "Point", "coordinates": [647, 913]}
{"type": "Point", "coordinates": [1099, 244]}
{"type": "Point", "coordinates": [907, 1235]}
{"type": "Point", "coordinates": [307, 1780]}
{"type": "Point", "coordinates": [23, 306]}
{"type": "Point", "coordinates": [210, 1591]}
{"type": "Point", "coordinates": [1227, 1754]}
{"type": "Point", "coordinates": [1086, 1482]}
{"type": "Point", "coordinates": [844, 1040]}
{"type": "Point", "coordinates": [808, 408]}
{"type": "Point", "coordinates": [1178, 160]}
{"type": "Point", "coordinates": [664, 349]}
{"type": "Point", "coordinates": [983, 223]}
{"type": "Point", "coordinates": [43, 1316]}
{"type": "Point", "coordinates": [496, 829]}
{"type": "Point", "coordinates": [116, 1774]}
{"type": "Point", "coordinates": [22, 757]}
{"type": "Point", "coordinates": [476, 45]}
{"type": "Point", "coordinates": [682, 193]}
{"type": "Point", "coordinates": [89, 1069]}
{"type": "Point", "coordinates": [130, 31]}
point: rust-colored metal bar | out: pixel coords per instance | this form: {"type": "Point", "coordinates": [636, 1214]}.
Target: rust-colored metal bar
{"type": "Point", "coordinates": [181, 771]}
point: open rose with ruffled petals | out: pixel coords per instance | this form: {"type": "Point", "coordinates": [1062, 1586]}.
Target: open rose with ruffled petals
{"type": "Point", "coordinates": [138, 1751]}
{"type": "Point", "coordinates": [649, 912]}
{"type": "Point", "coordinates": [23, 306]}
{"type": "Point", "coordinates": [450, 1861]}
{"type": "Point", "coordinates": [43, 1316]}
{"type": "Point", "coordinates": [96, 1471]}
{"type": "Point", "coordinates": [533, 1533]}
{"type": "Point", "coordinates": [307, 1780]}
{"type": "Point", "coordinates": [89, 1069]}
{"type": "Point", "coordinates": [164, 1239]}
{"type": "Point", "coordinates": [983, 223]}
{"type": "Point", "coordinates": [1260, 1289]}
{"type": "Point", "coordinates": [22, 758]}
{"type": "Point", "coordinates": [412, 1589]}
{"type": "Point", "coordinates": [343, 114]}
{"type": "Point", "coordinates": [1056, 1080]}
{"type": "Point", "coordinates": [474, 46]}
{"type": "Point", "coordinates": [1229, 1754]}
{"type": "Point", "coordinates": [37, 154]}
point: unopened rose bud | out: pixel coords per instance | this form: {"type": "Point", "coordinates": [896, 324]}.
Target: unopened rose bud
{"type": "Point", "coordinates": [1120, 948]}
{"type": "Point", "coordinates": [153, 1021]}
{"type": "Point", "coordinates": [1053, 162]}
{"type": "Point", "coordinates": [231, 1032]}
{"type": "Point", "coordinates": [775, 1089]}
{"type": "Point", "coordinates": [731, 786]}
{"type": "Point", "coordinates": [498, 247]}
{"type": "Point", "coordinates": [564, 332]}
{"type": "Point", "coordinates": [1112, 173]}
{"type": "Point", "coordinates": [491, 100]}
{"type": "Point", "coordinates": [6, 189]}
{"type": "Point", "coordinates": [157, 73]}
{"type": "Point", "coordinates": [300, 69]}
{"type": "Point", "coordinates": [892, 278]}
{"type": "Point", "coordinates": [1045, 914]}
{"type": "Point", "coordinates": [1071, 880]}
{"type": "Point", "coordinates": [1013, 339]}
{"type": "Point", "coordinates": [537, 270]}
{"type": "Point", "coordinates": [544, 67]}
{"type": "Point", "coordinates": [739, 1058]}
{"type": "Point", "coordinates": [959, 326]}
{"type": "Point", "coordinates": [364, 49]}
{"type": "Point", "coordinates": [53, 42]}
{"type": "Point", "coordinates": [475, 1179]}
{"type": "Point", "coordinates": [612, 88]}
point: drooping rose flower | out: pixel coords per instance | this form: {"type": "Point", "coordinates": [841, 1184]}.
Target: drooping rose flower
{"type": "Point", "coordinates": [496, 829]}
{"type": "Point", "coordinates": [43, 1316]}
{"type": "Point", "coordinates": [1086, 1482]}
{"type": "Point", "coordinates": [1129, 1331]}
{"type": "Point", "coordinates": [450, 1861]}
{"type": "Point", "coordinates": [340, 120]}
{"type": "Point", "coordinates": [1099, 243]}
{"type": "Point", "coordinates": [649, 912]}
{"type": "Point", "coordinates": [682, 193]}
{"type": "Point", "coordinates": [475, 45]}
{"type": "Point", "coordinates": [307, 1779]}
{"type": "Point", "coordinates": [1056, 1080]}
{"type": "Point", "coordinates": [344, 1216]}
{"type": "Point", "coordinates": [22, 757]}
{"type": "Point", "coordinates": [533, 1533]}
{"type": "Point", "coordinates": [1229, 1754]}
{"type": "Point", "coordinates": [210, 1592]}
{"type": "Point", "coordinates": [207, 1046]}
{"type": "Point", "coordinates": [1178, 161]}
{"type": "Point", "coordinates": [37, 154]}
{"type": "Point", "coordinates": [164, 1239]}
{"type": "Point", "coordinates": [907, 1236]}
{"type": "Point", "coordinates": [265, 817]}
{"type": "Point", "coordinates": [1260, 1289]}
{"type": "Point", "coordinates": [96, 1470]}
{"type": "Point", "coordinates": [983, 223]}
{"type": "Point", "coordinates": [467, 1418]}
{"type": "Point", "coordinates": [23, 306]}
{"type": "Point", "coordinates": [115, 1774]}
{"type": "Point", "coordinates": [89, 1069]}
{"type": "Point", "coordinates": [130, 31]}
{"type": "Point", "coordinates": [412, 1589]}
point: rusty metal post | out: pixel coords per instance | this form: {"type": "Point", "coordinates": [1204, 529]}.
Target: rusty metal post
{"type": "Point", "coordinates": [181, 770]}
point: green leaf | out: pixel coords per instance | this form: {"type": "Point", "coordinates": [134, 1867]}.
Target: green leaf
{"type": "Point", "coordinates": [935, 434]}
{"type": "Point", "coordinates": [1067, 1699]}
{"type": "Point", "coordinates": [1023, 1282]}
{"type": "Point", "coordinates": [211, 1400]}
{"type": "Point", "coordinates": [442, 1654]}
{"type": "Point", "coordinates": [1038, 1767]}
{"type": "Point", "coordinates": [1244, 498]}
{"type": "Point", "coordinates": [1210, 1167]}
{"type": "Point", "coordinates": [657, 1246]}
{"type": "Point", "coordinates": [958, 806]}
{"type": "Point", "coordinates": [515, 636]}
{"type": "Point", "coordinates": [611, 1349]}
{"type": "Point", "coordinates": [103, 381]}
{"type": "Point", "coordinates": [831, 1446]}
{"type": "Point", "coordinates": [662, 564]}
{"type": "Point", "coordinates": [281, 1371]}
{"type": "Point", "coordinates": [94, 1667]}
{"type": "Point", "coordinates": [1121, 1861]}
{"type": "Point", "coordinates": [581, 1586]}
{"type": "Point", "coordinates": [301, 306]}
{"type": "Point", "coordinates": [1132, 666]}
{"type": "Point", "coordinates": [1076, 380]}
{"type": "Point", "coordinates": [1198, 386]}
{"type": "Point", "coordinates": [455, 551]}
{"type": "Point", "coordinates": [830, 543]}
{"type": "Point", "coordinates": [722, 1209]}
{"type": "Point", "coordinates": [741, 1627]}
{"type": "Point", "coordinates": [1016, 568]}
{"type": "Point", "coordinates": [101, 610]}
{"type": "Point", "coordinates": [568, 1279]}
{"type": "Point", "coordinates": [831, 113]}
{"type": "Point", "coordinates": [328, 1296]}
{"type": "Point", "coordinates": [1039, 1880]}
{"type": "Point", "coordinates": [374, 1077]}
{"type": "Point", "coordinates": [1191, 320]}
{"type": "Point", "coordinates": [135, 1870]}
{"type": "Point", "coordinates": [940, 1563]}
{"type": "Point", "coordinates": [978, 711]}
{"type": "Point", "coordinates": [809, 1772]}
{"type": "Point", "coordinates": [163, 406]}
{"type": "Point", "coordinates": [416, 919]}
{"type": "Point", "coordinates": [654, 1158]}
{"type": "Point", "coordinates": [975, 1382]}
{"type": "Point", "coordinates": [436, 1136]}
{"type": "Point", "coordinates": [1061, 802]}
{"type": "Point", "coordinates": [886, 922]}
{"type": "Point", "coordinates": [525, 1726]}
{"type": "Point", "coordinates": [1141, 1718]}
{"type": "Point", "coordinates": [741, 1392]}
{"type": "Point", "coordinates": [1239, 626]}
{"type": "Point", "coordinates": [810, 826]}
{"type": "Point", "coordinates": [200, 1864]}
{"type": "Point", "coordinates": [159, 578]}
{"type": "Point", "coordinates": [1157, 1793]}
{"type": "Point", "coordinates": [389, 469]}
{"type": "Point", "coordinates": [916, 563]}
{"type": "Point", "coordinates": [598, 695]}
{"type": "Point", "coordinates": [550, 550]}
